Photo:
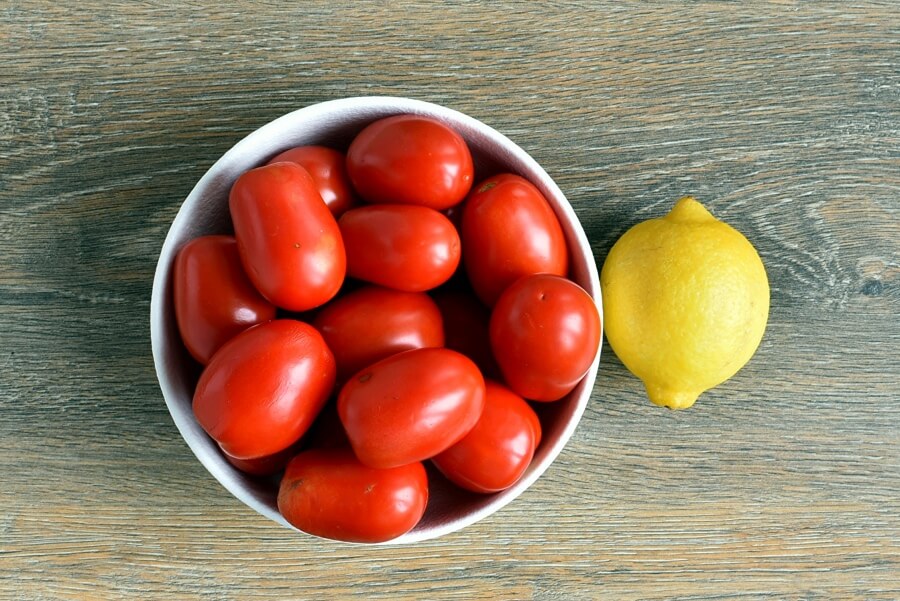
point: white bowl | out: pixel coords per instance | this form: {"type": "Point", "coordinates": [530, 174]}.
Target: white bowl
{"type": "Point", "coordinates": [205, 211]}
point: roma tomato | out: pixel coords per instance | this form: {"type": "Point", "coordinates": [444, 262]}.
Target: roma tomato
{"type": "Point", "coordinates": [214, 298]}
{"type": "Point", "coordinates": [373, 323]}
{"type": "Point", "coordinates": [509, 231]}
{"type": "Point", "coordinates": [400, 246]}
{"type": "Point", "coordinates": [327, 432]}
{"type": "Point", "coordinates": [410, 159]}
{"type": "Point", "coordinates": [536, 425]}
{"type": "Point", "coordinates": [288, 240]}
{"type": "Point", "coordinates": [328, 168]}
{"type": "Point", "coordinates": [466, 322]}
{"type": "Point", "coordinates": [265, 466]}
{"type": "Point", "coordinates": [263, 389]}
{"type": "Point", "coordinates": [545, 333]}
{"type": "Point", "coordinates": [411, 406]}
{"type": "Point", "coordinates": [498, 450]}
{"type": "Point", "coordinates": [329, 493]}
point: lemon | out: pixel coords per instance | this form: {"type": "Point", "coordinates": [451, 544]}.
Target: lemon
{"type": "Point", "coordinates": [686, 299]}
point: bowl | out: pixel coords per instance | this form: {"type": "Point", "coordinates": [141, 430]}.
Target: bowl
{"type": "Point", "coordinates": [205, 211]}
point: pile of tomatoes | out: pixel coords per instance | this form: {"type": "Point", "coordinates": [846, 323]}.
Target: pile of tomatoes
{"type": "Point", "coordinates": [375, 310]}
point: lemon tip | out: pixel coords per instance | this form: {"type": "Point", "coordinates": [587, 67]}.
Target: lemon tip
{"type": "Point", "coordinates": [688, 208]}
{"type": "Point", "coordinates": [671, 398]}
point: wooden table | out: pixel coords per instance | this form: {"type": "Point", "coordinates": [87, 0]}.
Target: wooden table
{"type": "Point", "coordinates": [784, 119]}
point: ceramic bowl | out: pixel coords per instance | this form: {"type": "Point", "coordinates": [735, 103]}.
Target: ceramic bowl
{"type": "Point", "coordinates": [205, 211]}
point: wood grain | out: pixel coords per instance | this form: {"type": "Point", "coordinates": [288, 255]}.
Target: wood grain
{"type": "Point", "coordinates": [783, 118]}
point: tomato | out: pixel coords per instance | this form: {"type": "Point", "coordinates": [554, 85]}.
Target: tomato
{"type": "Point", "coordinates": [288, 240]}
{"type": "Point", "coordinates": [454, 214]}
{"type": "Point", "coordinates": [403, 247]}
{"type": "Point", "coordinates": [410, 159]}
{"type": "Point", "coordinates": [329, 493]}
{"type": "Point", "coordinates": [265, 466]}
{"type": "Point", "coordinates": [498, 450]}
{"type": "Point", "coordinates": [264, 388]}
{"type": "Point", "coordinates": [327, 432]}
{"type": "Point", "coordinates": [545, 333]}
{"type": "Point", "coordinates": [411, 406]}
{"type": "Point", "coordinates": [373, 323]}
{"type": "Point", "coordinates": [509, 231]}
{"type": "Point", "coordinates": [536, 425]}
{"type": "Point", "coordinates": [466, 327]}
{"type": "Point", "coordinates": [214, 298]}
{"type": "Point", "coordinates": [328, 168]}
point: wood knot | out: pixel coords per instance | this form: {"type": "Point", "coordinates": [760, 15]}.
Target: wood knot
{"type": "Point", "coordinates": [873, 288]}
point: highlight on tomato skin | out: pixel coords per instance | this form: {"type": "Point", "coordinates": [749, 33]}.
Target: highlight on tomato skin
{"type": "Point", "coordinates": [498, 450]}
{"type": "Point", "coordinates": [329, 493]}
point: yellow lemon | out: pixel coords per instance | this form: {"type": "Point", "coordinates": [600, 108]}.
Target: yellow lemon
{"type": "Point", "coordinates": [685, 300]}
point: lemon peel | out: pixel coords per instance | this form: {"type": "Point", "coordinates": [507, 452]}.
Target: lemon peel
{"type": "Point", "coordinates": [686, 301]}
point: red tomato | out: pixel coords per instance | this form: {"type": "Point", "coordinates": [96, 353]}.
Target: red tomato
{"type": "Point", "coordinates": [289, 242]}
{"type": "Point", "coordinates": [329, 493]}
{"type": "Point", "coordinates": [264, 388]}
{"type": "Point", "coordinates": [328, 168]}
{"type": "Point", "coordinates": [466, 327]}
{"type": "Point", "coordinates": [264, 466]}
{"type": "Point", "coordinates": [373, 323]}
{"type": "Point", "coordinates": [536, 425]}
{"type": "Point", "coordinates": [400, 246]}
{"type": "Point", "coordinates": [454, 214]}
{"type": "Point", "coordinates": [498, 450]}
{"type": "Point", "coordinates": [327, 432]}
{"type": "Point", "coordinates": [214, 299]}
{"type": "Point", "coordinates": [411, 406]}
{"type": "Point", "coordinates": [409, 159]}
{"type": "Point", "coordinates": [509, 231]}
{"type": "Point", "coordinates": [545, 333]}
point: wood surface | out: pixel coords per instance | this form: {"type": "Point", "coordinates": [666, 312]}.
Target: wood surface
{"type": "Point", "coordinates": [784, 483]}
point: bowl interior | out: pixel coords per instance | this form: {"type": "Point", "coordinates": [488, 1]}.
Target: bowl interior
{"type": "Point", "coordinates": [205, 211]}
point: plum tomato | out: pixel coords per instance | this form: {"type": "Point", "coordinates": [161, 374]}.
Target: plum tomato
{"type": "Point", "coordinates": [509, 231]}
{"type": "Point", "coordinates": [411, 406]}
{"type": "Point", "coordinates": [373, 323]}
{"type": "Point", "coordinates": [214, 298]}
{"type": "Point", "coordinates": [263, 389]}
{"type": "Point", "coordinates": [410, 159]}
{"type": "Point", "coordinates": [329, 493]}
{"type": "Point", "coordinates": [265, 466]}
{"type": "Point", "coordinates": [288, 240]}
{"type": "Point", "coordinates": [327, 432]}
{"type": "Point", "coordinates": [328, 168]}
{"type": "Point", "coordinates": [498, 450]}
{"type": "Point", "coordinates": [403, 247]}
{"type": "Point", "coordinates": [545, 333]}
{"type": "Point", "coordinates": [466, 321]}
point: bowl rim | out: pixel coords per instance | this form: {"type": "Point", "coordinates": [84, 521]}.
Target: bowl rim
{"type": "Point", "coordinates": [189, 429]}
